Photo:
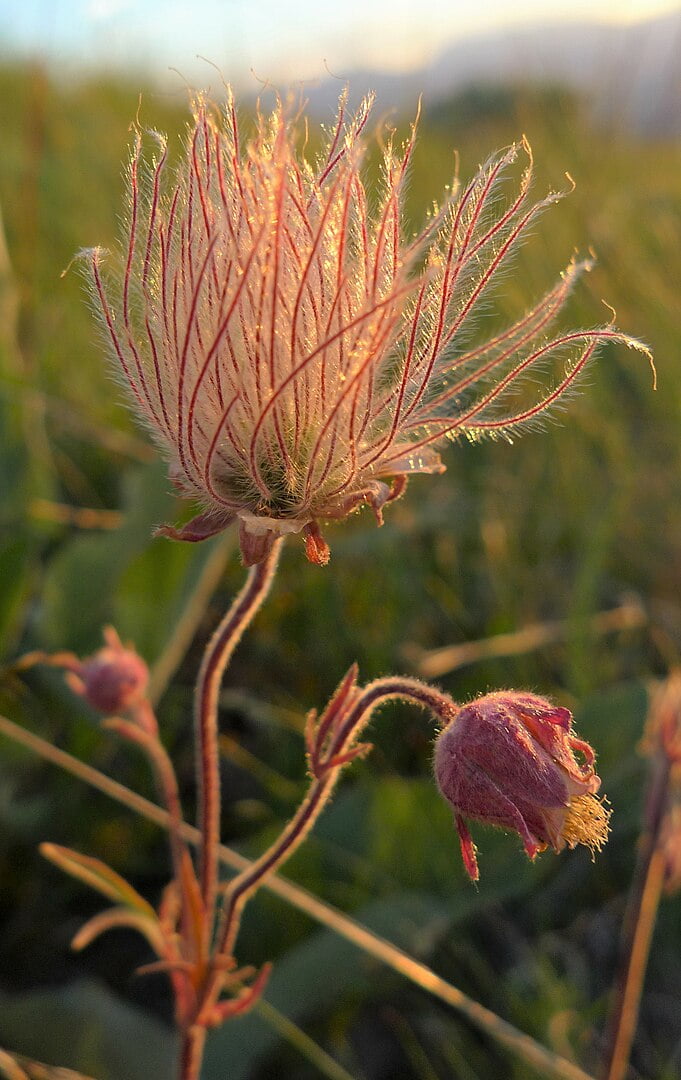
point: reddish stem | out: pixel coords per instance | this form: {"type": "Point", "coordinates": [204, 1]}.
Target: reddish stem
{"type": "Point", "coordinates": [217, 656]}
{"type": "Point", "coordinates": [146, 736]}
{"type": "Point", "coordinates": [319, 792]}
{"type": "Point", "coordinates": [639, 923]}
{"type": "Point", "coordinates": [191, 1053]}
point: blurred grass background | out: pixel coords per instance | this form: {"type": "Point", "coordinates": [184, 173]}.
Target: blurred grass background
{"type": "Point", "coordinates": [560, 525]}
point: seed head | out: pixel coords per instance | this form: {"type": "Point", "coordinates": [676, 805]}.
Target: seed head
{"type": "Point", "coordinates": [508, 759]}
{"type": "Point", "coordinates": [295, 354]}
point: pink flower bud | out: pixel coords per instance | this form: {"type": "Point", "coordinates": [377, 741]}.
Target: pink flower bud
{"type": "Point", "coordinates": [508, 759]}
{"type": "Point", "coordinates": [113, 679]}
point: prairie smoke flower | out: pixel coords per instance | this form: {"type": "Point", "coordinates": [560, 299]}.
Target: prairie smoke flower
{"type": "Point", "coordinates": [293, 353]}
{"type": "Point", "coordinates": [508, 759]}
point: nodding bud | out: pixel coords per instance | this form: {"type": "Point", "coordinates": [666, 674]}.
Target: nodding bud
{"type": "Point", "coordinates": [508, 759]}
{"type": "Point", "coordinates": [112, 680]}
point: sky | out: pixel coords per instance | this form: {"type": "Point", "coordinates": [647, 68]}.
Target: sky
{"type": "Point", "coordinates": [279, 40]}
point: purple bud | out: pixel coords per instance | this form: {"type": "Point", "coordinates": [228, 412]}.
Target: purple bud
{"type": "Point", "coordinates": [508, 759]}
{"type": "Point", "coordinates": [112, 680]}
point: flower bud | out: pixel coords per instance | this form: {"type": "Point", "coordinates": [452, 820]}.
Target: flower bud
{"type": "Point", "coordinates": [113, 679]}
{"type": "Point", "coordinates": [508, 759]}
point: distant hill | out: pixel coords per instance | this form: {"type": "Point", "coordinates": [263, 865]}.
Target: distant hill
{"type": "Point", "coordinates": [631, 73]}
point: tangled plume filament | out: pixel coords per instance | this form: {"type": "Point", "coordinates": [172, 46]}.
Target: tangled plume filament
{"type": "Point", "coordinates": [294, 355]}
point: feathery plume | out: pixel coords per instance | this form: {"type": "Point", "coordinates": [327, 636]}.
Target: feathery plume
{"type": "Point", "coordinates": [291, 351]}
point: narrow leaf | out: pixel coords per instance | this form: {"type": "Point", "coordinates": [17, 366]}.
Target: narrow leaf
{"type": "Point", "coordinates": [120, 916]}
{"type": "Point", "coordinates": [98, 876]}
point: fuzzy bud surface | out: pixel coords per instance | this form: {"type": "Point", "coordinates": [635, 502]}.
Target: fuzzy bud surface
{"type": "Point", "coordinates": [508, 759]}
{"type": "Point", "coordinates": [112, 680]}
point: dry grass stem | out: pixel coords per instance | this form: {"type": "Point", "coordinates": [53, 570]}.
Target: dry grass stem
{"type": "Point", "coordinates": [437, 662]}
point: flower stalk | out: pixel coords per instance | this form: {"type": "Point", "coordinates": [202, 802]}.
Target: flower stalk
{"type": "Point", "coordinates": [166, 783]}
{"type": "Point", "coordinates": [657, 868]}
{"type": "Point", "coordinates": [332, 743]}
{"type": "Point", "coordinates": [192, 1045]}
{"type": "Point", "coordinates": [217, 656]}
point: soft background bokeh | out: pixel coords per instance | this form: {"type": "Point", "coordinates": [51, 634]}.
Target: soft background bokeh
{"type": "Point", "coordinates": [581, 518]}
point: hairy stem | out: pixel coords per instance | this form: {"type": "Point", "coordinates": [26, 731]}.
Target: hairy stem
{"type": "Point", "coordinates": [487, 1022]}
{"type": "Point", "coordinates": [166, 782]}
{"type": "Point", "coordinates": [321, 788]}
{"type": "Point", "coordinates": [217, 656]}
{"type": "Point", "coordinates": [191, 1053]}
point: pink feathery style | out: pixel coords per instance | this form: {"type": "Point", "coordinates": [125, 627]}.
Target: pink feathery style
{"type": "Point", "coordinates": [294, 353]}
{"type": "Point", "coordinates": [508, 759]}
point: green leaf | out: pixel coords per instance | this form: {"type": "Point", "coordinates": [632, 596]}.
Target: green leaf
{"type": "Point", "coordinates": [394, 831]}
{"type": "Point", "coordinates": [17, 559]}
{"type": "Point", "coordinates": [119, 916]}
{"type": "Point", "coordinates": [25, 467]}
{"type": "Point", "coordinates": [85, 1027]}
{"type": "Point", "coordinates": [81, 580]}
{"type": "Point", "coordinates": [160, 585]}
{"type": "Point", "coordinates": [613, 722]}
{"type": "Point", "coordinates": [34, 1070]}
{"type": "Point", "coordinates": [127, 577]}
